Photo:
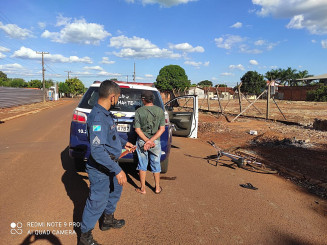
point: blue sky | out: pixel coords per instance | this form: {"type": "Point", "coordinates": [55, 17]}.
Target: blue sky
{"type": "Point", "coordinates": [211, 39]}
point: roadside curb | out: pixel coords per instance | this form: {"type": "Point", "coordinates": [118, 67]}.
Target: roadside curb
{"type": "Point", "coordinates": [29, 112]}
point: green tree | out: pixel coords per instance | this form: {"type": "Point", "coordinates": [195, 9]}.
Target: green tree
{"type": "Point", "coordinates": [252, 83]}
{"type": "Point", "coordinates": [3, 76]}
{"type": "Point", "coordinates": [18, 83]}
{"type": "Point", "coordinates": [273, 75]}
{"type": "Point", "coordinates": [48, 83]}
{"type": "Point", "coordinates": [287, 76]}
{"type": "Point", "coordinates": [35, 84]}
{"type": "Point", "coordinates": [221, 85]}
{"type": "Point", "coordinates": [75, 86]}
{"type": "Point", "coordinates": [304, 74]}
{"type": "Point", "coordinates": [63, 88]}
{"type": "Point", "coordinates": [320, 94]}
{"type": "Point", "coordinates": [172, 77]}
{"type": "Point", "coordinates": [3, 79]}
{"type": "Point", "coordinates": [205, 83]}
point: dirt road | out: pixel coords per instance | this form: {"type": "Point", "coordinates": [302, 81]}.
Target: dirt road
{"type": "Point", "coordinates": [200, 204]}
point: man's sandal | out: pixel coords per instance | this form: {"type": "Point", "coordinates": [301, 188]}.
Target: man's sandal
{"type": "Point", "coordinates": [249, 186]}
{"type": "Point", "coordinates": [159, 191]}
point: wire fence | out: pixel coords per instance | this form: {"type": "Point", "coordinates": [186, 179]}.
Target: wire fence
{"type": "Point", "coordinates": [10, 97]}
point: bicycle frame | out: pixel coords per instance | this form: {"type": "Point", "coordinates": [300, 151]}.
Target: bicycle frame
{"type": "Point", "coordinates": [240, 161]}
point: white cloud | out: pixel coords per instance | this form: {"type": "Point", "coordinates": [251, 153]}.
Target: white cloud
{"type": "Point", "coordinates": [303, 14]}
{"type": "Point", "coordinates": [243, 44]}
{"type": "Point", "coordinates": [134, 43]}
{"type": "Point", "coordinates": [228, 41]}
{"type": "Point", "coordinates": [324, 43]}
{"type": "Point", "coordinates": [254, 62]}
{"type": "Point", "coordinates": [139, 48]}
{"type": "Point", "coordinates": [296, 22]}
{"type": "Point", "coordinates": [78, 31]}
{"type": "Point", "coordinates": [11, 67]}
{"type": "Point", "coordinates": [314, 41]}
{"type": "Point", "coordinates": [246, 49]}
{"type": "Point", "coordinates": [237, 25]}
{"type": "Point", "coordinates": [193, 63]}
{"type": "Point", "coordinates": [15, 31]}
{"type": "Point", "coordinates": [42, 25]}
{"type": "Point", "coordinates": [63, 21]}
{"type": "Point", "coordinates": [164, 3]}
{"type": "Point", "coordinates": [186, 47]}
{"type": "Point", "coordinates": [27, 53]}
{"type": "Point", "coordinates": [2, 55]}
{"type": "Point", "coordinates": [260, 42]}
{"type": "Point", "coordinates": [266, 44]}
{"type": "Point", "coordinates": [196, 64]}
{"type": "Point", "coordinates": [239, 67]}
{"type": "Point", "coordinates": [4, 49]}
{"type": "Point", "coordinates": [96, 68]}
{"type": "Point", "coordinates": [105, 60]}
{"type": "Point", "coordinates": [82, 73]}
{"type": "Point", "coordinates": [225, 74]}
{"type": "Point", "coordinates": [148, 75]}
{"type": "Point", "coordinates": [108, 74]}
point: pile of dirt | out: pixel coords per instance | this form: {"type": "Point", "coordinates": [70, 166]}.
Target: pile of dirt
{"type": "Point", "coordinates": [299, 153]}
{"type": "Point", "coordinates": [320, 124]}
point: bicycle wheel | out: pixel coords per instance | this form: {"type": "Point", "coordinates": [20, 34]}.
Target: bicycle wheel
{"type": "Point", "coordinates": [250, 163]}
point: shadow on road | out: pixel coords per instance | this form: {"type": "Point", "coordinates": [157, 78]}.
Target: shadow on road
{"type": "Point", "coordinates": [32, 238]}
{"type": "Point", "coordinates": [290, 239]}
{"type": "Point", "coordinates": [76, 187]}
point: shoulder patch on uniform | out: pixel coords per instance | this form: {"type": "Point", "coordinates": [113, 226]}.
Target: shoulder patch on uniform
{"type": "Point", "coordinates": [96, 128]}
{"type": "Point", "coordinates": [96, 141]}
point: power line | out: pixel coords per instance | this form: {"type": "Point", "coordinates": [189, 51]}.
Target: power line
{"type": "Point", "coordinates": [49, 67]}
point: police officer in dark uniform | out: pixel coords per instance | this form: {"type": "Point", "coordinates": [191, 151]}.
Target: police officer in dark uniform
{"type": "Point", "coordinates": [105, 175]}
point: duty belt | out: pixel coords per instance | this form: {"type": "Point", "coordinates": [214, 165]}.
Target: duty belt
{"type": "Point", "coordinates": [102, 168]}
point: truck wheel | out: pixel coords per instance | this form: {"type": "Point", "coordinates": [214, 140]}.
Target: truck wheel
{"type": "Point", "coordinates": [164, 165]}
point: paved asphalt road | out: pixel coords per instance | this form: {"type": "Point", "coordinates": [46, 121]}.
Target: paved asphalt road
{"type": "Point", "coordinates": [200, 204]}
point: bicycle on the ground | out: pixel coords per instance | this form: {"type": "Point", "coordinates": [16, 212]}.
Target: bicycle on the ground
{"type": "Point", "coordinates": [243, 160]}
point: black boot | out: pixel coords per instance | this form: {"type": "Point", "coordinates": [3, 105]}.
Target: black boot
{"type": "Point", "coordinates": [110, 222]}
{"type": "Point", "coordinates": [87, 239]}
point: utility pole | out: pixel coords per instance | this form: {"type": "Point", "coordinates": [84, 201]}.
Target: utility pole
{"type": "Point", "coordinates": [268, 100]}
{"type": "Point", "coordinates": [134, 73]}
{"type": "Point", "coordinates": [239, 95]}
{"type": "Point", "coordinates": [43, 70]}
{"type": "Point", "coordinates": [68, 73]}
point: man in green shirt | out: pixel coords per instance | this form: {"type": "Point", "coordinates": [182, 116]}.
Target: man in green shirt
{"type": "Point", "coordinates": [149, 124]}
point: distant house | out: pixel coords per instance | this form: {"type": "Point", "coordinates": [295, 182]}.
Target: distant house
{"type": "Point", "coordinates": [273, 87]}
{"type": "Point", "coordinates": [224, 92]}
{"type": "Point", "coordinates": [321, 78]}
{"type": "Point", "coordinates": [196, 91]}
